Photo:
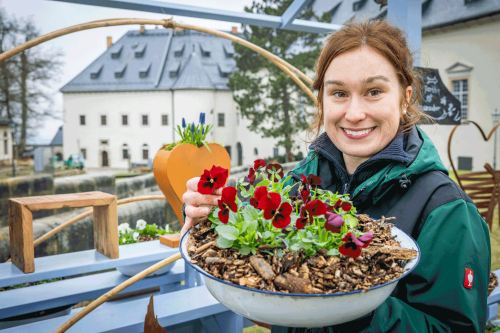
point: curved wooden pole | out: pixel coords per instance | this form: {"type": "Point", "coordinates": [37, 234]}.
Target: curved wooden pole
{"type": "Point", "coordinates": [89, 212]}
{"type": "Point", "coordinates": [73, 320]}
{"type": "Point", "coordinates": [485, 138]}
{"type": "Point", "coordinates": [282, 64]}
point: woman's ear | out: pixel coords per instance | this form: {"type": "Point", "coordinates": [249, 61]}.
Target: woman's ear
{"type": "Point", "coordinates": [409, 90]}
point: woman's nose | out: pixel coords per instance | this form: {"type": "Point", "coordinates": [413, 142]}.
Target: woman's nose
{"type": "Point", "coordinates": [355, 111]}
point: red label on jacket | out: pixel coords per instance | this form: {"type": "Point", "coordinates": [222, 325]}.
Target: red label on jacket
{"type": "Point", "coordinates": [469, 278]}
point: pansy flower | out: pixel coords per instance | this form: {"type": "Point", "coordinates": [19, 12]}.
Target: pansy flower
{"type": "Point", "coordinates": [308, 211]}
{"type": "Point", "coordinates": [352, 246]}
{"type": "Point", "coordinates": [260, 192]}
{"type": "Point", "coordinates": [258, 164]}
{"type": "Point", "coordinates": [304, 194]}
{"type": "Point", "coordinates": [226, 203]}
{"type": "Point", "coordinates": [274, 170]}
{"type": "Point", "coordinates": [250, 179]}
{"type": "Point", "coordinates": [275, 210]}
{"type": "Point", "coordinates": [334, 222]}
{"type": "Point", "coordinates": [212, 180]}
{"type": "Point", "coordinates": [346, 206]}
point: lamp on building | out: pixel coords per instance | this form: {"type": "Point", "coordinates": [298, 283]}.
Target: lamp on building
{"type": "Point", "coordinates": [12, 126]}
{"type": "Point", "coordinates": [496, 118]}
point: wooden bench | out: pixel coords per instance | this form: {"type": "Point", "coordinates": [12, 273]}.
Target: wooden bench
{"type": "Point", "coordinates": [21, 223]}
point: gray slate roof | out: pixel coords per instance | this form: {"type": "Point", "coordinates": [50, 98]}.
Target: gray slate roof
{"type": "Point", "coordinates": [58, 138]}
{"type": "Point", "coordinates": [435, 13]}
{"type": "Point", "coordinates": [159, 60]}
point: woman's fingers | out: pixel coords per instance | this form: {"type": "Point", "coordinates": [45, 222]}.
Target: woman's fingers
{"type": "Point", "coordinates": [195, 212]}
{"type": "Point", "coordinates": [196, 199]}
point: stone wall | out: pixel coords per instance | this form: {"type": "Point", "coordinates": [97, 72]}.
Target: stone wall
{"type": "Point", "coordinates": [79, 236]}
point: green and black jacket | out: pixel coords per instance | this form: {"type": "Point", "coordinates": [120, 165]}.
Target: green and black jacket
{"type": "Point", "coordinates": [451, 234]}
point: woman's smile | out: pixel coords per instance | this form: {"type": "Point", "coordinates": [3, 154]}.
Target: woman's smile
{"type": "Point", "coordinates": [358, 133]}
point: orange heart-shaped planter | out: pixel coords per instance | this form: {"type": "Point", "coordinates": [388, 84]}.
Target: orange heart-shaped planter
{"type": "Point", "coordinates": [172, 169]}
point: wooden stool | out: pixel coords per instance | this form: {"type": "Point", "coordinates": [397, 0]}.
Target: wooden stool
{"type": "Point", "coordinates": [22, 250]}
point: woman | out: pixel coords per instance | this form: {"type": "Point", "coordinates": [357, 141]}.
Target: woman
{"type": "Point", "coordinates": [372, 150]}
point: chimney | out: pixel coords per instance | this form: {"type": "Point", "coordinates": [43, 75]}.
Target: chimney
{"type": "Point", "coordinates": [109, 41]}
{"type": "Point", "coordinates": [143, 29]}
{"type": "Point", "coordinates": [234, 30]}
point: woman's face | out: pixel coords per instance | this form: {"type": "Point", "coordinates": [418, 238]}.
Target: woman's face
{"type": "Point", "coordinates": [361, 103]}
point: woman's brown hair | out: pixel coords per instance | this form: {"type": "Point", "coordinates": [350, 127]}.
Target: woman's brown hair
{"type": "Point", "coordinates": [390, 42]}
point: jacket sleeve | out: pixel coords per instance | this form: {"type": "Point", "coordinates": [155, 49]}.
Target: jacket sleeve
{"type": "Point", "coordinates": [434, 297]}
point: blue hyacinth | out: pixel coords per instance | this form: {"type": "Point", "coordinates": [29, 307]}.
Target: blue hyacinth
{"type": "Point", "coordinates": [202, 118]}
{"type": "Point", "coordinates": [183, 123]}
{"type": "Point", "coordinates": [192, 128]}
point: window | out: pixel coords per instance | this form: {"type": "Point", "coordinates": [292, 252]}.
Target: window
{"type": "Point", "coordinates": [460, 90]}
{"type": "Point", "coordinates": [144, 119]}
{"type": "Point", "coordinates": [125, 153]}
{"type": "Point", "coordinates": [82, 120]}
{"type": "Point", "coordinates": [124, 120]}
{"type": "Point", "coordinates": [237, 119]}
{"type": "Point", "coordinates": [228, 149]}
{"type": "Point", "coordinates": [145, 153]}
{"type": "Point", "coordinates": [83, 151]}
{"type": "Point", "coordinates": [255, 152]}
{"type": "Point", "coordinates": [104, 142]}
{"type": "Point", "coordinates": [103, 120]}
{"type": "Point", "coordinates": [220, 119]}
{"type": "Point", "coordinates": [164, 119]}
{"type": "Point", "coordinates": [5, 143]}
{"type": "Point", "coordinates": [276, 152]}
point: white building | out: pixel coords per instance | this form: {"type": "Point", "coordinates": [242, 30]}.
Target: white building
{"type": "Point", "coordinates": [130, 99]}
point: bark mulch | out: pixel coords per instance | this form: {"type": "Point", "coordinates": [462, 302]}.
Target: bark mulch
{"type": "Point", "coordinates": [382, 261]}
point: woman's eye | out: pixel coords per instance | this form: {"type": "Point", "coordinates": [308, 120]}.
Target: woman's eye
{"type": "Point", "coordinates": [373, 93]}
{"type": "Point", "coordinates": [339, 94]}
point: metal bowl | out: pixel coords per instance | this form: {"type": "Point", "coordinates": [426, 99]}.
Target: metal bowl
{"type": "Point", "coordinates": [302, 310]}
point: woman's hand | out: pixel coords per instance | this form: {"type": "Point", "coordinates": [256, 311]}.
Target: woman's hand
{"type": "Point", "coordinates": [198, 205]}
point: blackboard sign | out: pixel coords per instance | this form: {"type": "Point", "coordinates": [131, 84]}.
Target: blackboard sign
{"type": "Point", "coordinates": [437, 102]}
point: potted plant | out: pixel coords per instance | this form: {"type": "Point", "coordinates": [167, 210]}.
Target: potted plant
{"type": "Point", "coordinates": [281, 260]}
{"type": "Point", "coordinates": [143, 232]}
{"type": "Point", "coordinates": [177, 162]}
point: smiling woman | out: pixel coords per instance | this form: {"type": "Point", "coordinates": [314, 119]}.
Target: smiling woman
{"type": "Point", "coordinates": [372, 151]}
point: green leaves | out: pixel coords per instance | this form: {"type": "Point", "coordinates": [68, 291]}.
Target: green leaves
{"type": "Point", "coordinates": [351, 220]}
{"type": "Point", "coordinates": [224, 243]}
{"type": "Point", "coordinates": [227, 231]}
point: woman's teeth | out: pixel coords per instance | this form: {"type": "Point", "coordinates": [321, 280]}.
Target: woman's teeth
{"type": "Point", "coordinates": [358, 133]}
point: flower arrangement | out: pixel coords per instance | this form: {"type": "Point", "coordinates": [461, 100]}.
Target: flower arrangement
{"type": "Point", "coordinates": [142, 232]}
{"type": "Point", "coordinates": [314, 220]}
{"type": "Point", "coordinates": [259, 236]}
{"type": "Point", "coordinates": [193, 134]}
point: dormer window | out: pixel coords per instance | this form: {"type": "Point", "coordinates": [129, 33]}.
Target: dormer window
{"type": "Point", "coordinates": [179, 50]}
{"type": "Point", "coordinates": [144, 72]}
{"type": "Point", "coordinates": [94, 74]}
{"type": "Point", "coordinates": [116, 53]}
{"type": "Point", "coordinates": [174, 70]}
{"type": "Point", "coordinates": [229, 50]}
{"type": "Point", "coordinates": [120, 71]}
{"type": "Point", "coordinates": [224, 70]}
{"type": "Point", "coordinates": [358, 5]}
{"type": "Point", "coordinates": [139, 53]}
{"type": "Point", "coordinates": [205, 49]}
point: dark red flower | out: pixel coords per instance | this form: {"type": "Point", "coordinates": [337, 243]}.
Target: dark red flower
{"type": "Point", "coordinates": [305, 196]}
{"type": "Point", "coordinates": [260, 192]}
{"type": "Point", "coordinates": [276, 170]}
{"type": "Point", "coordinates": [226, 203]}
{"type": "Point", "coordinates": [346, 206]}
{"type": "Point", "coordinates": [352, 246]}
{"type": "Point", "coordinates": [251, 176]}
{"type": "Point", "coordinates": [275, 210]}
{"type": "Point", "coordinates": [257, 164]}
{"type": "Point", "coordinates": [334, 222]}
{"type": "Point", "coordinates": [335, 206]}
{"type": "Point", "coordinates": [308, 211]}
{"type": "Point", "coordinates": [366, 239]}
{"type": "Point", "coordinates": [212, 180]}
{"type": "Point", "coordinates": [313, 180]}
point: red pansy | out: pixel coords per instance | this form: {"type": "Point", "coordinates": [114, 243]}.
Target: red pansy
{"type": "Point", "coordinates": [226, 203]}
{"type": "Point", "coordinates": [276, 170]}
{"type": "Point", "coordinates": [257, 164]}
{"type": "Point", "coordinates": [308, 211]}
{"type": "Point", "coordinates": [275, 210]}
{"type": "Point", "coordinates": [212, 180]}
{"type": "Point", "coordinates": [334, 222]}
{"type": "Point", "coordinates": [251, 176]}
{"type": "Point", "coordinates": [346, 206]}
{"type": "Point", "coordinates": [260, 192]}
{"type": "Point", "coordinates": [352, 246]}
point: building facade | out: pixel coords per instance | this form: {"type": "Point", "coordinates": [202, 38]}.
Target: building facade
{"type": "Point", "coordinates": [126, 105]}
{"type": "Point", "coordinates": [5, 142]}
{"type": "Point", "coordinates": [460, 38]}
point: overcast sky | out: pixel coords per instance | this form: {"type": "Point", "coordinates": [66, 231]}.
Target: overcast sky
{"type": "Point", "coordinates": [81, 48]}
